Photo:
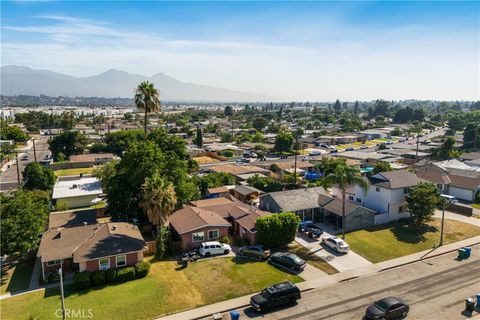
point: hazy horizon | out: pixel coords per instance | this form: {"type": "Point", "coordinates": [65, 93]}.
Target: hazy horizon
{"type": "Point", "coordinates": [292, 51]}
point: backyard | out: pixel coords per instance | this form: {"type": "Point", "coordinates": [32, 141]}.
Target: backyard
{"type": "Point", "coordinates": [385, 243]}
{"type": "Point", "coordinates": [73, 172]}
{"type": "Point", "coordinates": [167, 289]}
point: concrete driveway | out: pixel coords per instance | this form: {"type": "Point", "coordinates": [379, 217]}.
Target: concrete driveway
{"type": "Point", "coordinates": [340, 261]}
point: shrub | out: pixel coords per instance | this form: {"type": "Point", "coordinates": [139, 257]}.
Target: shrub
{"type": "Point", "coordinates": [277, 230]}
{"type": "Point", "coordinates": [228, 153]}
{"type": "Point", "coordinates": [225, 239]}
{"type": "Point", "coordinates": [477, 197]}
{"type": "Point", "coordinates": [99, 278]}
{"type": "Point", "coordinates": [142, 268]}
{"type": "Point", "coordinates": [111, 275]}
{"type": "Point", "coordinates": [126, 274]}
{"type": "Point", "coordinates": [81, 280]}
{"type": "Point", "coordinates": [52, 277]}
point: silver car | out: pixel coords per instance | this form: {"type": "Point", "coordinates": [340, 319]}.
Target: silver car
{"type": "Point", "coordinates": [336, 244]}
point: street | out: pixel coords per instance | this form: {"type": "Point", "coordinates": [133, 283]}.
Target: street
{"type": "Point", "coordinates": [435, 289]}
{"type": "Point", "coordinates": [9, 176]}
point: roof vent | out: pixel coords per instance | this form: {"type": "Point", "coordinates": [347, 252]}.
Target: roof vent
{"type": "Point", "coordinates": [74, 186]}
{"type": "Point", "coordinates": [84, 223]}
{"type": "Point", "coordinates": [114, 227]}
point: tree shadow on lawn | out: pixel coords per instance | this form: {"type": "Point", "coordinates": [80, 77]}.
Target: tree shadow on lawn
{"type": "Point", "coordinates": [19, 278]}
{"type": "Point", "coordinates": [411, 233]}
{"type": "Point", "coordinates": [69, 290]}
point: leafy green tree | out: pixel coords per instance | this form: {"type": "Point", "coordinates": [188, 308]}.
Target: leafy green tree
{"type": "Point", "coordinates": [419, 115]}
{"type": "Point", "coordinates": [356, 107]}
{"type": "Point", "coordinates": [62, 205]}
{"type": "Point", "coordinates": [24, 216]}
{"type": "Point", "coordinates": [265, 184]}
{"type": "Point", "coordinates": [283, 141]}
{"type": "Point", "coordinates": [422, 200]}
{"type": "Point", "coordinates": [397, 132]}
{"type": "Point", "coordinates": [471, 136]}
{"type": "Point", "coordinates": [457, 122]}
{"type": "Point", "coordinates": [228, 111]}
{"type": "Point", "coordinates": [198, 137]}
{"type": "Point", "coordinates": [38, 177]}
{"type": "Point", "coordinates": [12, 133]}
{"type": "Point", "coordinates": [259, 123]}
{"type": "Point", "coordinates": [118, 142]}
{"type": "Point", "coordinates": [278, 229]}
{"type": "Point", "coordinates": [257, 137]}
{"type": "Point", "coordinates": [161, 243]}
{"type": "Point", "coordinates": [147, 98]}
{"type": "Point", "coordinates": [380, 108]}
{"type": "Point", "coordinates": [381, 166]}
{"type": "Point", "coordinates": [446, 151]}
{"type": "Point", "coordinates": [343, 177]}
{"type": "Point", "coordinates": [158, 200]}
{"type": "Point", "coordinates": [327, 165]}
{"type": "Point", "coordinates": [68, 143]}
{"type": "Point", "coordinates": [337, 106]}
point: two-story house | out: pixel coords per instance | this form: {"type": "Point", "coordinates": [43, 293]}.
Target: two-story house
{"type": "Point", "coordinates": [385, 195]}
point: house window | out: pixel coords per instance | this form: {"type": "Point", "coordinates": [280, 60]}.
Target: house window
{"type": "Point", "coordinates": [54, 262]}
{"type": "Point", "coordinates": [121, 261]}
{"type": "Point", "coordinates": [377, 189]}
{"type": "Point", "coordinates": [400, 209]}
{"type": "Point", "coordinates": [405, 190]}
{"type": "Point", "coordinates": [198, 236]}
{"type": "Point", "coordinates": [104, 264]}
{"type": "Point", "coordinates": [439, 186]}
{"type": "Point", "coordinates": [350, 198]}
{"type": "Point", "coordinates": [212, 234]}
{"type": "Point", "coordinates": [359, 200]}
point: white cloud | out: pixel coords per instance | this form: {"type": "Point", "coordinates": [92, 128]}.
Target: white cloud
{"type": "Point", "coordinates": [388, 64]}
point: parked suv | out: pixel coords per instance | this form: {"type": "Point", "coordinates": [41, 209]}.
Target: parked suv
{"type": "Point", "coordinates": [336, 244]}
{"type": "Point", "coordinates": [213, 247]}
{"type": "Point", "coordinates": [256, 251]}
{"type": "Point", "coordinates": [276, 295]}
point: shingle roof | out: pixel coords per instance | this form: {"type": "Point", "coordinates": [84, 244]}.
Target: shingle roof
{"type": "Point", "coordinates": [90, 157]}
{"type": "Point", "coordinates": [236, 170]}
{"type": "Point", "coordinates": [90, 241]}
{"type": "Point", "coordinates": [211, 202]}
{"type": "Point", "coordinates": [335, 206]}
{"type": "Point", "coordinates": [246, 190]}
{"type": "Point", "coordinates": [248, 221]}
{"type": "Point", "coordinates": [192, 218]}
{"type": "Point", "coordinates": [433, 174]}
{"type": "Point", "coordinates": [295, 200]}
{"type": "Point", "coordinates": [464, 179]}
{"type": "Point", "coordinates": [72, 218]}
{"type": "Point", "coordinates": [218, 190]}
{"type": "Point", "coordinates": [395, 179]}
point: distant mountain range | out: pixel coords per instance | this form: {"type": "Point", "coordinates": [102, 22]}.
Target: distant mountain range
{"type": "Point", "coordinates": [18, 80]}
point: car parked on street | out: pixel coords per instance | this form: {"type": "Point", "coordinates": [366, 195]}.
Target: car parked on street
{"type": "Point", "coordinates": [254, 251]}
{"type": "Point", "coordinates": [337, 244]}
{"type": "Point", "coordinates": [213, 247]}
{"type": "Point", "coordinates": [387, 308]}
{"type": "Point", "coordinates": [24, 157]}
{"type": "Point", "coordinates": [276, 295]}
{"type": "Point", "coordinates": [363, 147]}
{"type": "Point", "coordinates": [287, 260]}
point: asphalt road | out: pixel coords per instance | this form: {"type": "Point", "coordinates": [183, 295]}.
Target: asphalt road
{"type": "Point", "coordinates": [435, 290]}
{"type": "Point", "coordinates": [8, 179]}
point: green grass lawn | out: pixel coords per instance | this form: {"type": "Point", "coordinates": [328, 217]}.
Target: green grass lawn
{"type": "Point", "coordinates": [73, 172]}
{"type": "Point", "coordinates": [393, 241]}
{"type": "Point", "coordinates": [16, 276]}
{"type": "Point", "coordinates": [167, 289]}
{"type": "Point", "coordinates": [311, 258]}
{"type": "Point", "coordinates": [476, 205]}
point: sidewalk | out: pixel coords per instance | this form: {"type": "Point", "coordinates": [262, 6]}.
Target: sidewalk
{"type": "Point", "coordinates": [221, 307]}
{"type": "Point", "coordinates": [458, 217]}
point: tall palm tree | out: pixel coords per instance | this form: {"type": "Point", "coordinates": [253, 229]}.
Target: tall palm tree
{"type": "Point", "coordinates": [147, 98]}
{"type": "Point", "coordinates": [159, 200]}
{"type": "Point", "coordinates": [344, 176]}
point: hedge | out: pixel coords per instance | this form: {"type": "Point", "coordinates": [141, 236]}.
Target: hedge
{"type": "Point", "coordinates": [81, 280]}
{"type": "Point", "coordinates": [111, 275]}
{"type": "Point", "coordinates": [142, 268]}
{"type": "Point", "coordinates": [99, 278]}
{"type": "Point", "coordinates": [126, 274]}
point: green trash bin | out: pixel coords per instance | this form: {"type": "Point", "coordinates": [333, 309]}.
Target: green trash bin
{"type": "Point", "coordinates": [462, 254]}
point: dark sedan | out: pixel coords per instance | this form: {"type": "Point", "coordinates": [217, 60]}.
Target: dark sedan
{"type": "Point", "coordinates": [287, 260]}
{"type": "Point", "coordinates": [387, 308]}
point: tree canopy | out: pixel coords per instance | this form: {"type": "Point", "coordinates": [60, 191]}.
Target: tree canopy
{"type": "Point", "coordinates": [381, 166]}
{"type": "Point", "coordinates": [38, 177]}
{"type": "Point", "coordinates": [283, 141]}
{"type": "Point", "coordinates": [422, 199]}
{"type": "Point", "coordinates": [278, 229]}
{"type": "Point", "coordinates": [68, 143]}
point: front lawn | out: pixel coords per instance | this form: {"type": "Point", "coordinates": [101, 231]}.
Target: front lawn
{"type": "Point", "coordinates": [73, 172]}
{"type": "Point", "coordinates": [311, 258]}
{"type": "Point", "coordinates": [16, 276]}
{"type": "Point", "coordinates": [167, 289]}
{"type": "Point", "coordinates": [476, 205]}
{"type": "Point", "coordinates": [393, 241]}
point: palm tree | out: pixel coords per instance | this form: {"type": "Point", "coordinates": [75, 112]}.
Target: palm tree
{"type": "Point", "coordinates": [147, 98]}
{"type": "Point", "coordinates": [344, 176]}
{"type": "Point", "coordinates": [159, 200]}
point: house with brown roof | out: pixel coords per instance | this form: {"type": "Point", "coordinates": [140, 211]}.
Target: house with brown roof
{"type": "Point", "coordinates": [213, 219]}
{"type": "Point", "coordinates": [90, 247]}
{"type": "Point", "coordinates": [90, 159]}
{"type": "Point", "coordinates": [239, 171]}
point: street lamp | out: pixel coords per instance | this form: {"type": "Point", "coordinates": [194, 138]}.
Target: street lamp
{"type": "Point", "coordinates": [61, 293]}
{"type": "Point", "coordinates": [446, 198]}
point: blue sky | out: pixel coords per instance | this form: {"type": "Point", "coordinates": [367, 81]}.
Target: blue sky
{"type": "Point", "coordinates": [288, 50]}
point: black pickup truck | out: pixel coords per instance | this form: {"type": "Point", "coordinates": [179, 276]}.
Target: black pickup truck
{"type": "Point", "coordinates": [310, 229]}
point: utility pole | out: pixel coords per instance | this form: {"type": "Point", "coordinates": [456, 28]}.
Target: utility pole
{"type": "Point", "coordinates": [18, 169]}
{"type": "Point", "coordinates": [34, 150]}
{"type": "Point", "coordinates": [61, 293]}
{"type": "Point", "coordinates": [295, 156]}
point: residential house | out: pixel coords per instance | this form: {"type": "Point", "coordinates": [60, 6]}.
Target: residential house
{"type": "Point", "coordinates": [90, 159]}
{"type": "Point", "coordinates": [239, 171]}
{"type": "Point", "coordinates": [69, 218]}
{"type": "Point", "coordinates": [246, 194]}
{"type": "Point", "coordinates": [218, 192]}
{"type": "Point", "coordinates": [385, 195]}
{"type": "Point", "coordinates": [90, 247]}
{"type": "Point", "coordinates": [77, 192]}
{"type": "Point", "coordinates": [356, 216]}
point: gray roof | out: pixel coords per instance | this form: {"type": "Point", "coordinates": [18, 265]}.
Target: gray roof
{"type": "Point", "coordinates": [295, 200]}
{"type": "Point", "coordinates": [246, 190]}
{"type": "Point", "coordinates": [395, 179]}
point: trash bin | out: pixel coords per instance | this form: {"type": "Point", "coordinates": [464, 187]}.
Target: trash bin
{"type": "Point", "coordinates": [468, 251]}
{"type": "Point", "coordinates": [469, 304]}
{"type": "Point", "coordinates": [234, 315]}
{"type": "Point", "coordinates": [184, 262]}
{"type": "Point", "coordinates": [461, 254]}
